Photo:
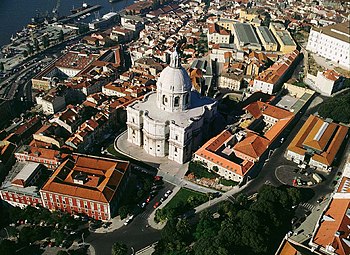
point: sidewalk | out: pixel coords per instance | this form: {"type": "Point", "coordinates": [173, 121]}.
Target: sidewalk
{"type": "Point", "coordinates": [226, 196]}
{"type": "Point", "coordinates": [161, 225]}
{"type": "Point", "coordinates": [171, 171]}
{"type": "Point", "coordinates": [116, 224]}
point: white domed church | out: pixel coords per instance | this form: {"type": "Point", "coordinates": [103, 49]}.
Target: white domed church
{"type": "Point", "coordinates": [174, 120]}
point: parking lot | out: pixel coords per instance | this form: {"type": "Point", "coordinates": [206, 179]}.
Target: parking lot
{"type": "Point", "coordinates": [297, 176]}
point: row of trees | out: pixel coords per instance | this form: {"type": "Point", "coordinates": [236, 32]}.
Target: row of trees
{"type": "Point", "coordinates": [244, 227]}
{"type": "Point", "coordinates": [35, 46]}
{"type": "Point", "coordinates": [138, 189]}
{"type": "Point", "coordinates": [43, 224]}
{"type": "Point", "coordinates": [337, 108]}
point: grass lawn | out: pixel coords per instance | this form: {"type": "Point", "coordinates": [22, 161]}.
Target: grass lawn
{"type": "Point", "coordinates": [182, 197]}
{"type": "Point", "coordinates": [200, 171]}
{"type": "Point", "coordinates": [300, 84]}
{"type": "Point", "coordinates": [228, 182]}
{"type": "Point", "coordinates": [111, 150]}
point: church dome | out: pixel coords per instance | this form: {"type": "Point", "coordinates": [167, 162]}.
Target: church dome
{"type": "Point", "coordinates": [174, 78]}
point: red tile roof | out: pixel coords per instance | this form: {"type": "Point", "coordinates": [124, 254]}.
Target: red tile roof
{"type": "Point", "coordinates": [209, 151]}
{"type": "Point", "coordinates": [102, 177]}
{"type": "Point", "coordinates": [327, 144]}
{"type": "Point", "coordinates": [253, 146]}
{"type": "Point", "coordinates": [334, 230]}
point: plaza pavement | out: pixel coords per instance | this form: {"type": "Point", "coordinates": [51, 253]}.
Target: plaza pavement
{"type": "Point", "coordinates": [170, 171]}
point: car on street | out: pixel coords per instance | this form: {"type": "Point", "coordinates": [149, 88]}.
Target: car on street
{"type": "Point", "coordinates": [143, 205]}
{"type": "Point", "coordinates": [320, 199]}
{"type": "Point", "coordinates": [153, 192]}
{"type": "Point", "coordinates": [156, 204]}
{"type": "Point", "coordinates": [129, 220]}
{"type": "Point", "coordinates": [149, 198]}
{"type": "Point", "coordinates": [299, 182]}
{"type": "Point", "coordinates": [168, 193]}
{"type": "Point", "coordinates": [163, 199]}
{"type": "Point", "coordinates": [158, 178]}
{"type": "Point", "coordinates": [156, 187]}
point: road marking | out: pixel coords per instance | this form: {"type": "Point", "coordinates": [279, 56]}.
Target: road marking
{"type": "Point", "coordinates": [308, 206]}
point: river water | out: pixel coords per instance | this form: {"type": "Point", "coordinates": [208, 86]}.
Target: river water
{"type": "Point", "coordinates": [15, 14]}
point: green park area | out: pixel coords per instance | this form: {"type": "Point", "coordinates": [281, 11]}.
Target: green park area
{"type": "Point", "coordinates": [184, 201]}
{"type": "Point", "coordinates": [240, 227]}
{"type": "Point", "coordinates": [337, 108]}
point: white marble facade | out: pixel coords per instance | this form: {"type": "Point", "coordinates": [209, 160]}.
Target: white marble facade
{"type": "Point", "coordinates": [174, 120]}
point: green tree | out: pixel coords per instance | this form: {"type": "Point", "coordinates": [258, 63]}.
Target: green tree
{"type": "Point", "coordinates": [46, 41]}
{"type": "Point", "coordinates": [123, 211]}
{"type": "Point", "coordinates": [36, 44]}
{"type": "Point", "coordinates": [7, 247]}
{"type": "Point", "coordinates": [29, 49]}
{"type": "Point", "coordinates": [207, 227]}
{"type": "Point", "coordinates": [119, 249]}
{"type": "Point", "coordinates": [25, 53]}
{"type": "Point", "coordinates": [336, 108]}
{"type": "Point", "coordinates": [61, 36]}
{"type": "Point", "coordinates": [62, 253]}
{"type": "Point", "coordinates": [59, 235]}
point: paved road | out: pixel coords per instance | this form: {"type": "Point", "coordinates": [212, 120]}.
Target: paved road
{"type": "Point", "coordinates": [137, 234]}
{"type": "Point", "coordinates": [267, 173]}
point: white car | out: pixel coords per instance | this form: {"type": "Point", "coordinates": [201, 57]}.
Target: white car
{"type": "Point", "coordinates": [129, 220]}
{"type": "Point", "coordinates": [168, 193]}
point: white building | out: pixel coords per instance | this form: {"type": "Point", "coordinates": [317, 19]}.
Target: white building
{"type": "Point", "coordinates": [173, 120]}
{"type": "Point", "coordinates": [51, 103]}
{"type": "Point", "coordinates": [331, 42]}
{"type": "Point", "coordinates": [218, 35]}
{"type": "Point", "coordinates": [328, 82]}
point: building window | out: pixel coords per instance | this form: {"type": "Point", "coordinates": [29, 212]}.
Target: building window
{"type": "Point", "coordinates": [187, 98]}
{"type": "Point", "coordinates": [177, 101]}
{"type": "Point", "coordinates": [165, 100]}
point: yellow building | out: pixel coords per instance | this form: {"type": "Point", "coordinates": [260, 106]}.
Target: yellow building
{"type": "Point", "coordinates": [283, 37]}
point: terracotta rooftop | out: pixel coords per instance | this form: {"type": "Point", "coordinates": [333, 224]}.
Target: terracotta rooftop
{"type": "Point", "coordinates": [210, 151]}
{"type": "Point", "coordinates": [331, 75]}
{"type": "Point", "coordinates": [333, 232]}
{"type": "Point", "coordinates": [253, 145]}
{"type": "Point", "coordinates": [278, 69]}
{"type": "Point", "coordinates": [258, 109]}
{"type": "Point", "coordinates": [74, 60]}
{"type": "Point", "coordinates": [325, 138]}
{"type": "Point", "coordinates": [88, 177]}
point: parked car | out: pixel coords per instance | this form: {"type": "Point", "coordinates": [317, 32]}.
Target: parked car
{"type": "Point", "coordinates": [156, 205]}
{"type": "Point", "coordinates": [168, 193]}
{"type": "Point", "coordinates": [153, 192]}
{"type": "Point", "coordinates": [143, 205]}
{"type": "Point", "coordinates": [149, 198]}
{"type": "Point", "coordinates": [299, 182]}
{"type": "Point", "coordinates": [320, 199]}
{"type": "Point", "coordinates": [158, 178]}
{"type": "Point", "coordinates": [129, 220]}
{"type": "Point", "coordinates": [307, 213]}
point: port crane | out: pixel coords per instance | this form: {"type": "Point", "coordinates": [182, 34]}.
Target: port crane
{"type": "Point", "coordinates": [55, 9]}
